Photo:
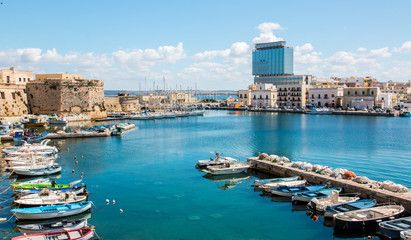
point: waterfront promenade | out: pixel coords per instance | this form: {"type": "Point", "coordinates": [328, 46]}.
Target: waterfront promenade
{"type": "Point", "coordinates": [342, 112]}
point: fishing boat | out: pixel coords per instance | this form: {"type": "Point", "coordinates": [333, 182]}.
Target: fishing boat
{"type": "Point", "coordinates": [319, 204]}
{"type": "Point", "coordinates": [42, 183]}
{"type": "Point", "coordinates": [51, 211]}
{"type": "Point", "coordinates": [77, 234]}
{"type": "Point", "coordinates": [218, 160]}
{"type": "Point", "coordinates": [392, 229]}
{"type": "Point", "coordinates": [76, 189]}
{"type": "Point", "coordinates": [305, 197]}
{"type": "Point", "coordinates": [57, 120]}
{"type": "Point", "coordinates": [366, 218]}
{"type": "Point", "coordinates": [259, 182]}
{"type": "Point", "coordinates": [38, 172]}
{"type": "Point", "coordinates": [330, 211]}
{"type": "Point", "coordinates": [226, 168]}
{"type": "Point", "coordinates": [63, 225]}
{"type": "Point", "coordinates": [42, 147]}
{"type": "Point", "coordinates": [47, 197]}
{"type": "Point", "coordinates": [269, 186]}
{"type": "Point", "coordinates": [33, 123]}
{"type": "Point", "coordinates": [405, 114]}
{"type": "Point", "coordinates": [289, 191]}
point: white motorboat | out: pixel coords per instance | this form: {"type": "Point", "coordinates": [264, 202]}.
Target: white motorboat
{"type": "Point", "coordinates": [49, 197]}
{"type": "Point", "coordinates": [319, 204]}
{"type": "Point", "coordinates": [47, 212]}
{"type": "Point", "coordinates": [218, 160]}
{"type": "Point", "coordinates": [38, 172]}
{"type": "Point", "coordinates": [269, 186]}
{"type": "Point", "coordinates": [56, 120]}
{"type": "Point", "coordinates": [226, 168]}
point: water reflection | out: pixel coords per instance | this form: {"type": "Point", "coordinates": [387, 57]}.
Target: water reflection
{"type": "Point", "coordinates": [225, 182]}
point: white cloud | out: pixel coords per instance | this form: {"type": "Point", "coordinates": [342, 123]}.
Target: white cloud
{"type": "Point", "coordinates": [266, 32]}
{"type": "Point", "coordinates": [405, 48]}
{"type": "Point", "coordinates": [361, 49]}
{"type": "Point", "coordinates": [305, 55]}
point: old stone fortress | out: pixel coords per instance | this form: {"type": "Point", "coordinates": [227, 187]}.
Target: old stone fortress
{"type": "Point", "coordinates": [66, 93]}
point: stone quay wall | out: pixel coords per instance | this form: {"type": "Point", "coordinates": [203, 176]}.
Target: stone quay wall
{"type": "Point", "coordinates": [13, 100]}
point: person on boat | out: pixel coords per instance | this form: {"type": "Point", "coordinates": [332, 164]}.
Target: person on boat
{"type": "Point", "coordinates": [53, 184]}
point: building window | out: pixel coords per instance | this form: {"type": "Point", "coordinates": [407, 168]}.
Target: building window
{"type": "Point", "coordinates": [363, 93]}
{"type": "Point", "coordinates": [348, 93]}
{"type": "Point", "coordinates": [3, 95]}
{"type": "Point", "coordinates": [19, 79]}
{"type": "Point", "coordinates": [241, 95]}
{"type": "Point", "coordinates": [13, 95]}
{"type": "Point", "coordinates": [372, 92]}
{"type": "Point", "coordinates": [245, 95]}
{"type": "Point", "coordinates": [312, 96]}
{"type": "Point", "coordinates": [332, 95]}
{"type": "Point", "coordinates": [28, 79]}
{"type": "Point", "coordinates": [319, 96]}
{"type": "Point", "coordinates": [355, 93]}
{"type": "Point", "coordinates": [266, 97]}
{"type": "Point", "coordinates": [254, 97]}
{"type": "Point", "coordinates": [8, 79]}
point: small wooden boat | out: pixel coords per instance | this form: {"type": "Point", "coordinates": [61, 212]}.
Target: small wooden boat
{"type": "Point", "coordinates": [59, 226]}
{"type": "Point", "coordinates": [392, 229]}
{"type": "Point", "coordinates": [51, 211]}
{"type": "Point", "coordinates": [366, 218]}
{"type": "Point", "coordinates": [39, 172]}
{"type": "Point", "coordinates": [305, 197]}
{"type": "Point", "coordinates": [319, 205]}
{"type": "Point", "coordinates": [42, 183]}
{"type": "Point", "coordinates": [406, 235]}
{"type": "Point", "coordinates": [47, 197]}
{"type": "Point", "coordinates": [269, 186]}
{"type": "Point", "coordinates": [330, 211]}
{"type": "Point", "coordinates": [76, 189]}
{"type": "Point", "coordinates": [259, 182]}
{"type": "Point", "coordinates": [76, 234]}
{"type": "Point", "coordinates": [289, 191]}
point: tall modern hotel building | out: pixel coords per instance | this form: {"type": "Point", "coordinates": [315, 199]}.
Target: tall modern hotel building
{"type": "Point", "coordinates": [274, 63]}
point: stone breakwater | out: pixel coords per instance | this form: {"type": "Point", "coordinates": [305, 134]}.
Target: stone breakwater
{"type": "Point", "coordinates": [365, 190]}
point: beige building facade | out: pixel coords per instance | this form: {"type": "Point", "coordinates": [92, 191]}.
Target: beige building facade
{"type": "Point", "coordinates": [13, 97]}
{"type": "Point", "coordinates": [324, 96]}
{"type": "Point", "coordinates": [359, 97]}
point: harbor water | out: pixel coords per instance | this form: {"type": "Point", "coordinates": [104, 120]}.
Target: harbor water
{"type": "Point", "coordinates": [150, 173]}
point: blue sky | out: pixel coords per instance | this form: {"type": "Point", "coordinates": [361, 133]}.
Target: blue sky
{"type": "Point", "coordinates": [208, 43]}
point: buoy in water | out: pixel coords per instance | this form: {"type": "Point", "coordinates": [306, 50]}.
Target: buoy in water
{"type": "Point", "coordinates": [315, 217]}
{"type": "Point", "coordinates": [82, 173]}
{"type": "Point", "coordinates": [114, 201]}
{"type": "Point", "coordinates": [107, 201]}
{"type": "Point", "coordinates": [81, 177]}
{"type": "Point", "coordinates": [75, 157]}
{"type": "Point", "coordinates": [72, 171]}
{"type": "Point", "coordinates": [82, 157]}
{"type": "Point", "coordinates": [68, 149]}
{"type": "Point", "coordinates": [76, 162]}
{"type": "Point", "coordinates": [121, 210]}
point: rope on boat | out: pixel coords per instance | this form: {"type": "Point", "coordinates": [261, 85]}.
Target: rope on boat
{"type": "Point", "coordinates": [5, 190]}
{"type": "Point", "coordinates": [8, 219]}
{"type": "Point", "coordinates": [98, 237]}
{"type": "Point", "coordinates": [93, 204]}
{"type": "Point", "coordinates": [6, 200]}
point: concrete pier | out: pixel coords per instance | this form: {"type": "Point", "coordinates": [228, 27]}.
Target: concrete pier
{"type": "Point", "coordinates": [348, 186]}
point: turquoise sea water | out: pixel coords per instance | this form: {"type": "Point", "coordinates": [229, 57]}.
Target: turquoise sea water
{"type": "Point", "coordinates": [150, 172]}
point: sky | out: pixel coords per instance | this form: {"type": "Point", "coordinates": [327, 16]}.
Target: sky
{"type": "Point", "coordinates": [133, 45]}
